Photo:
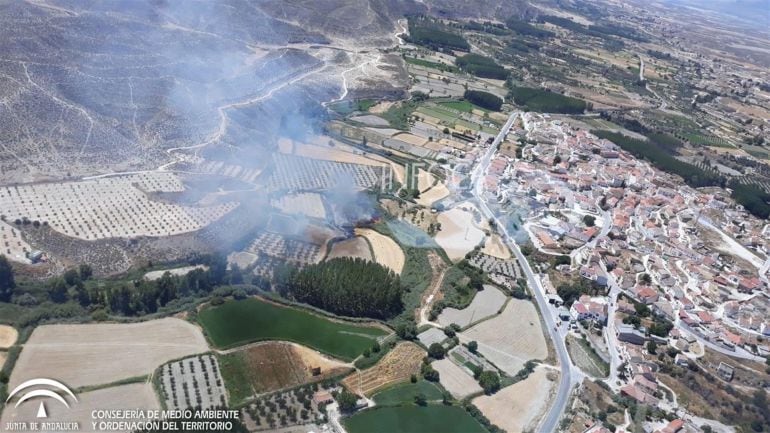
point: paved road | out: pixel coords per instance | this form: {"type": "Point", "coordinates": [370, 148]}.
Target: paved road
{"type": "Point", "coordinates": [569, 373]}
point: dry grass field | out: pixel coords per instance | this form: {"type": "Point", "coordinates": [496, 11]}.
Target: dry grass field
{"type": "Point", "coordinates": [308, 204]}
{"type": "Point", "coordinates": [132, 396]}
{"type": "Point", "coordinates": [495, 247]}
{"type": "Point", "coordinates": [397, 366]}
{"type": "Point", "coordinates": [458, 234]}
{"type": "Point", "coordinates": [97, 354]}
{"type": "Point", "coordinates": [386, 250]}
{"type": "Point", "coordinates": [456, 379]}
{"type": "Point", "coordinates": [511, 338]}
{"type": "Point", "coordinates": [8, 336]}
{"type": "Point", "coordinates": [519, 407]}
{"type": "Point", "coordinates": [353, 247]}
{"type": "Point", "coordinates": [485, 304]}
{"type": "Point", "coordinates": [434, 194]}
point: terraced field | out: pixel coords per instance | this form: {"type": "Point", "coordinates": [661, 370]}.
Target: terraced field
{"type": "Point", "coordinates": [397, 366]}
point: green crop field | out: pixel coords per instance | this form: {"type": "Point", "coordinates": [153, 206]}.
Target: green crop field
{"type": "Point", "coordinates": [239, 322]}
{"type": "Point", "coordinates": [463, 106]}
{"type": "Point", "coordinates": [413, 419]}
{"type": "Point", "coordinates": [404, 393]}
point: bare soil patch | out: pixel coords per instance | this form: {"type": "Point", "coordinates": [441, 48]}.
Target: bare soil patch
{"type": "Point", "coordinates": [518, 407]}
{"type": "Point", "coordinates": [458, 234]}
{"type": "Point", "coordinates": [511, 338]}
{"type": "Point", "coordinates": [485, 304]}
{"type": "Point", "coordinates": [132, 396]}
{"type": "Point", "coordinates": [8, 336]}
{"type": "Point", "coordinates": [495, 247]}
{"type": "Point", "coordinates": [457, 380]}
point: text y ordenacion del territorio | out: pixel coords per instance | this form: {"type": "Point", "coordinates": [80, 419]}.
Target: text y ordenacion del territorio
{"type": "Point", "coordinates": [183, 420]}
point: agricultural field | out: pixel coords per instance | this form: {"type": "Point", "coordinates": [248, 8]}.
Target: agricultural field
{"type": "Point", "coordinates": [132, 396]}
{"type": "Point", "coordinates": [457, 380]}
{"type": "Point", "coordinates": [295, 173]}
{"type": "Point", "coordinates": [192, 383]}
{"type": "Point", "coordinates": [308, 204]}
{"type": "Point", "coordinates": [98, 354]}
{"type": "Point", "coordinates": [458, 235]}
{"type": "Point", "coordinates": [404, 393]}
{"type": "Point", "coordinates": [300, 252]}
{"type": "Point", "coordinates": [287, 410]}
{"type": "Point", "coordinates": [240, 322]}
{"type": "Point", "coordinates": [8, 336]}
{"type": "Point", "coordinates": [12, 244]}
{"type": "Point", "coordinates": [156, 275]}
{"type": "Point", "coordinates": [485, 304]}
{"type": "Point", "coordinates": [413, 419]}
{"type": "Point", "coordinates": [109, 207]}
{"type": "Point", "coordinates": [386, 250]}
{"type": "Point", "coordinates": [494, 246]}
{"type": "Point", "coordinates": [520, 406]}
{"type": "Point", "coordinates": [275, 365]}
{"type": "Point", "coordinates": [510, 339]}
{"type": "Point", "coordinates": [356, 247]}
{"type": "Point", "coordinates": [396, 366]}
{"type": "Point", "coordinates": [432, 195]}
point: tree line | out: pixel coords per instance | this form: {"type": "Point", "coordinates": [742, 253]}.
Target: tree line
{"type": "Point", "coordinates": [128, 298]}
{"type": "Point", "coordinates": [545, 101]}
{"type": "Point", "coordinates": [346, 286]}
{"type": "Point", "coordinates": [483, 99]}
{"type": "Point", "coordinates": [433, 36]}
{"type": "Point", "coordinates": [754, 199]}
{"type": "Point", "coordinates": [481, 66]}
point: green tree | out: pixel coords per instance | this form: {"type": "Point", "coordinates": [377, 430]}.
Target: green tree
{"type": "Point", "coordinates": [473, 346]}
{"type": "Point", "coordinates": [85, 272]}
{"type": "Point", "coordinates": [489, 381]}
{"type": "Point", "coordinates": [58, 292]}
{"type": "Point", "coordinates": [652, 347]}
{"type": "Point", "coordinates": [589, 220]}
{"type": "Point", "coordinates": [71, 277]}
{"type": "Point", "coordinates": [347, 401]}
{"type": "Point", "coordinates": [7, 282]}
{"type": "Point", "coordinates": [436, 351]}
{"type": "Point", "coordinates": [420, 400]}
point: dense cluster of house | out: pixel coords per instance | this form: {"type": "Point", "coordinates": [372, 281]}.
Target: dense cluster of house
{"type": "Point", "coordinates": [692, 256]}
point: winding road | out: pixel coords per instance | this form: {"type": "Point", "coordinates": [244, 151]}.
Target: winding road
{"type": "Point", "coordinates": [570, 375]}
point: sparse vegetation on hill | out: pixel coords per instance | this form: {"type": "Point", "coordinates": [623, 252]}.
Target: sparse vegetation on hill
{"type": "Point", "coordinates": [484, 99]}
{"type": "Point", "coordinates": [546, 101]}
{"type": "Point", "coordinates": [347, 286]}
{"type": "Point", "coordinates": [481, 66]}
